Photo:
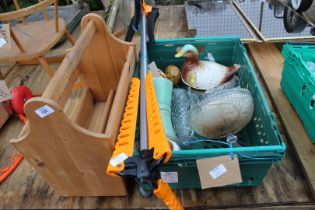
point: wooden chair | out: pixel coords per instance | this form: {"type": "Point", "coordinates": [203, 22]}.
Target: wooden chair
{"type": "Point", "coordinates": [32, 40]}
{"type": "Point", "coordinates": [72, 153]}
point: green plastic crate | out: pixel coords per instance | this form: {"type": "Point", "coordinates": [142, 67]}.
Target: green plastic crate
{"type": "Point", "coordinates": [264, 145]}
{"type": "Point", "coordinates": [298, 83]}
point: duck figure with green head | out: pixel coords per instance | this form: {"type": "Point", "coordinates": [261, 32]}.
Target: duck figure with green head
{"type": "Point", "coordinates": [203, 75]}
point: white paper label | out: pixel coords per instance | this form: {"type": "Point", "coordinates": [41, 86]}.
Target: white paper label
{"type": "Point", "coordinates": [210, 57]}
{"type": "Point", "coordinates": [169, 177]}
{"type": "Point", "coordinates": [118, 159]}
{"type": "Point", "coordinates": [5, 36]}
{"type": "Point", "coordinates": [44, 111]}
{"type": "Point", "coordinates": [2, 42]}
{"type": "Point", "coordinates": [4, 91]}
{"type": "Point", "coordinates": [217, 171]}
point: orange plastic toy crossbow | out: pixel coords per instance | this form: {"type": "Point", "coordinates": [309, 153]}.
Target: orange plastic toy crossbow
{"type": "Point", "coordinates": [154, 146]}
{"type": "Point", "coordinates": [145, 168]}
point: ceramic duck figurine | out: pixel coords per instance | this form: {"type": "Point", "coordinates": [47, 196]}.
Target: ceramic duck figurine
{"type": "Point", "coordinates": [203, 75]}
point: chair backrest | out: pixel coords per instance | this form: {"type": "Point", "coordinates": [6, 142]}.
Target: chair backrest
{"type": "Point", "coordinates": [23, 12]}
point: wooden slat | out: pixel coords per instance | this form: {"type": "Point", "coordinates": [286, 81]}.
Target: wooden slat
{"type": "Point", "coordinates": [46, 66]}
{"type": "Point", "coordinates": [108, 107]}
{"type": "Point", "coordinates": [269, 62]}
{"type": "Point", "coordinates": [170, 23]}
{"type": "Point", "coordinates": [67, 88]}
{"type": "Point", "coordinates": [84, 109]}
{"type": "Point", "coordinates": [25, 11]}
{"type": "Point", "coordinates": [45, 12]}
{"type": "Point", "coordinates": [5, 70]}
{"type": "Point", "coordinates": [100, 115]}
{"type": "Point", "coordinates": [17, 6]}
{"type": "Point", "coordinates": [121, 93]}
{"type": "Point", "coordinates": [17, 41]}
{"type": "Point", "coordinates": [52, 59]}
{"type": "Point", "coordinates": [56, 16]}
{"type": "Point", "coordinates": [97, 123]}
{"type": "Point", "coordinates": [70, 37]}
{"type": "Point", "coordinates": [60, 85]}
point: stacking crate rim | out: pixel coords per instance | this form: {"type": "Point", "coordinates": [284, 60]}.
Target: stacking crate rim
{"type": "Point", "coordinates": [300, 91]}
{"type": "Point", "coordinates": [288, 48]}
{"type": "Point", "coordinates": [280, 148]}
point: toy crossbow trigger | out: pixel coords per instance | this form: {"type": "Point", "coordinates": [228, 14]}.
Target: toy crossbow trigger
{"type": "Point", "coordinates": [154, 146]}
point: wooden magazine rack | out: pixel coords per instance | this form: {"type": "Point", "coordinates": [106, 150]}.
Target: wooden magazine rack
{"type": "Point", "coordinates": [72, 153]}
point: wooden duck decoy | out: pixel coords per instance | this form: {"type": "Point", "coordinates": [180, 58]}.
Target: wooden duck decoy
{"type": "Point", "coordinates": [203, 75]}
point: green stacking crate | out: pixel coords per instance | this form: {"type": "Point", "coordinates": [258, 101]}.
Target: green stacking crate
{"type": "Point", "coordinates": [298, 83]}
{"type": "Point", "coordinates": [264, 145]}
